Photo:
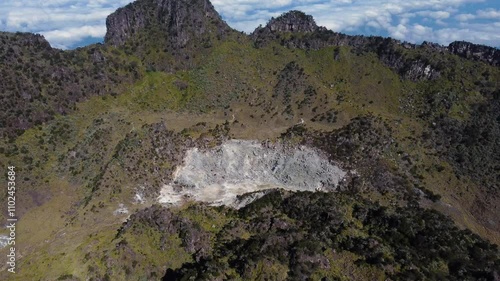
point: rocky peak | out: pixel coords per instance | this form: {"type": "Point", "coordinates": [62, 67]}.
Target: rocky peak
{"type": "Point", "coordinates": [179, 20]}
{"type": "Point", "coordinates": [30, 41]}
{"type": "Point", "coordinates": [293, 21]}
{"type": "Point", "coordinates": [435, 47]}
{"type": "Point", "coordinates": [476, 52]}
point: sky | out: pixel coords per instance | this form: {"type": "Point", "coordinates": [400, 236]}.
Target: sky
{"type": "Point", "coordinates": [68, 24]}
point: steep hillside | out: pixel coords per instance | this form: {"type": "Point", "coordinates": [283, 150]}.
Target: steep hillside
{"type": "Point", "coordinates": [39, 82]}
{"type": "Point", "coordinates": [167, 35]}
{"type": "Point", "coordinates": [181, 148]}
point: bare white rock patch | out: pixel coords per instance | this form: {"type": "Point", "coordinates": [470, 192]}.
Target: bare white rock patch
{"type": "Point", "coordinates": [4, 241]}
{"type": "Point", "coordinates": [139, 197]}
{"type": "Point", "coordinates": [122, 210]}
{"type": "Point", "coordinates": [219, 175]}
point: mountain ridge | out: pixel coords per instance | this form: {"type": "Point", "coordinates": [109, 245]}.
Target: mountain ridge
{"type": "Point", "coordinates": [180, 51]}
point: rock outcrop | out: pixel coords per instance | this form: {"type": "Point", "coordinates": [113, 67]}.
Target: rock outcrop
{"type": "Point", "coordinates": [305, 34]}
{"type": "Point", "coordinates": [476, 52]}
{"type": "Point", "coordinates": [219, 175]}
{"type": "Point", "coordinates": [293, 21]}
{"type": "Point", "coordinates": [178, 32]}
{"type": "Point", "coordinates": [178, 20]}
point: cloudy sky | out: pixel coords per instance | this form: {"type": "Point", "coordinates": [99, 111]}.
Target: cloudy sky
{"type": "Point", "coordinates": [68, 24]}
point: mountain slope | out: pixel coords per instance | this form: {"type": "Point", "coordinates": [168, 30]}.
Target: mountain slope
{"type": "Point", "coordinates": [415, 128]}
{"type": "Point", "coordinates": [167, 35]}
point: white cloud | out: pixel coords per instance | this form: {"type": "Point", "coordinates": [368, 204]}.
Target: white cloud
{"type": "Point", "coordinates": [420, 30]}
{"type": "Point", "coordinates": [480, 14]}
{"type": "Point", "coordinates": [68, 37]}
{"type": "Point", "coordinates": [63, 22]}
{"type": "Point", "coordinates": [465, 17]}
{"type": "Point", "coordinates": [437, 14]}
{"type": "Point", "coordinates": [478, 33]}
{"type": "Point", "coordinates": [399, 32]}
{"type": "Point", "coordinates": [488, 14]}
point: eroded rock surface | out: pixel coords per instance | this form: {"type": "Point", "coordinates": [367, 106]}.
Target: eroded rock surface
{"type": "Point", "coordinates": [237, 167]}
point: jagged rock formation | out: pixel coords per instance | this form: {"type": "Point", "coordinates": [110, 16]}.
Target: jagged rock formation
{"type": "Point", "coordinates": [476, 52]}
{"type": "Point", "coordinates": [179, 31]}
{"type": "Point", "coordinates": [466, 50]}
{"type": "Point", "coordinates": [307, 35]}
{"type": "Point", "coordinates": [298, 22]}
{"type": "Point", "coordinates": [180, 21]}
{"type": "Point", "coordinates": [293, 21]}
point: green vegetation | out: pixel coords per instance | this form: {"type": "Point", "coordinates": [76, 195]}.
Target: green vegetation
{"type": "Point", "coordinates": [297, 236]}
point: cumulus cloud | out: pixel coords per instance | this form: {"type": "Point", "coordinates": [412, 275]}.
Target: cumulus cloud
{"type": "Point", "coordinates": [488, 14]}
{"type": "Point", "coordinates": [465, 17]}
{"type": "Point", "coordinates": [65, 23]}
{"type": "Point", "coordinates": [480, 14]}
{"type": "Point", "coordinates": [71, 36]}
{"type": "Point", "coordinates": [434, 14]}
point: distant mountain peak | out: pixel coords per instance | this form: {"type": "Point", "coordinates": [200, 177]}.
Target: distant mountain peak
{"type": "Point", "coordinates": [289, 22]}
{"type": "Point", "coordinates": [476, 52]}
{"type": "Point", "coordinates": [179, 20]}
{"type": "Point", "coordinates": [292, 21]}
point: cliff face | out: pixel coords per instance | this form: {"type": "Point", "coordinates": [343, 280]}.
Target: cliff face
{"type": "Point", "coordinates": [293, 21]}
{"type": "Point", "coordinates": [177, 32]}
{"type": "Point", "coordinates": [179, 20]}
{"type": "Point", "coordinates": [476, 52]}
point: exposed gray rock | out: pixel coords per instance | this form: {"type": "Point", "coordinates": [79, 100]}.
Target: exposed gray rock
{"type": "Point", "coordinates": [476, 52]}
{"type": "Point", "coordinates": [434, 47]}
{"type": "Point", "coordinates": [237, 167]}
{"type": "Point", "coordinates": [121, 210]}
{"type": "Point", "coordinates": [293, 21]}
{"type": "Point", "coordinates": [4, 240]}
{"type": "Point", "coordinates": [179, 20]}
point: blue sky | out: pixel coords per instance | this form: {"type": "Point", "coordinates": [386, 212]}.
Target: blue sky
{"type": "Point", "coordinates": [68, 24]}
